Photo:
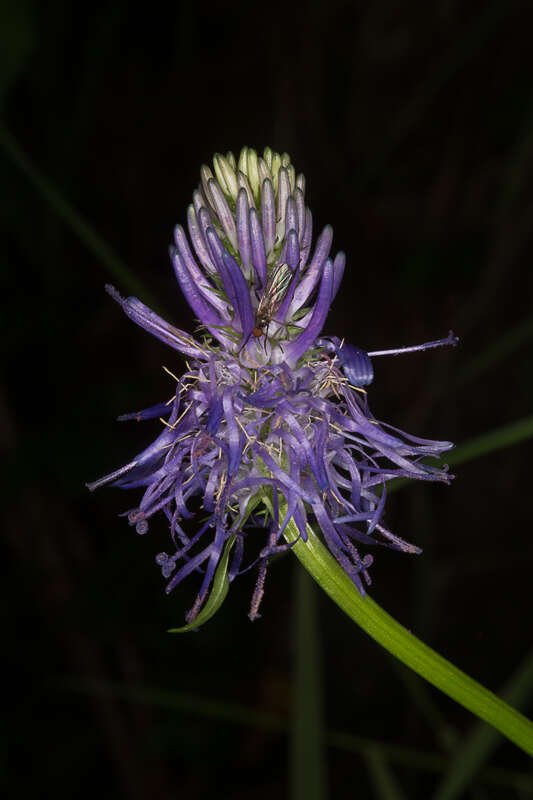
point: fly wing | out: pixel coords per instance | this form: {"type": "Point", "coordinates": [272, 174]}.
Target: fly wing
{"type": "Point", "coordinates": [274, 292]}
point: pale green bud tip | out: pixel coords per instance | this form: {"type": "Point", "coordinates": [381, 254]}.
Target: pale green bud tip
{"type": "Point", "coordinates": [250, 171]}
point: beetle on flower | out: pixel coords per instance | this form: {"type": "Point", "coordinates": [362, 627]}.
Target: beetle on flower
{"type": "Point", "coordinates": [269, 423]}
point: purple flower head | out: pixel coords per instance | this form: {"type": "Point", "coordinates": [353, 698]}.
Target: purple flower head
{"type": "Point", "coordinates": [270, 422]}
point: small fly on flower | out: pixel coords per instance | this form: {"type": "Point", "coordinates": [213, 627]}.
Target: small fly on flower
{"type": "Point", "coordinates": [272, 297]}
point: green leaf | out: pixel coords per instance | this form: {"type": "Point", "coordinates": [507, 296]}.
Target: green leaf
{"type": "Point", "coordinates": [404, 645]}
{"type": "Point", "coordinates": [218, 592]}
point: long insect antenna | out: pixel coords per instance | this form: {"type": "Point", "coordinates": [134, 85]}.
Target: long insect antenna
{"type": "Point", "coordinates": [266, 337]}
{"type": "Point", "coordinates": [245, 342]}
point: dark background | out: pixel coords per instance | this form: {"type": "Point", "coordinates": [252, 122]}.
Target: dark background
{"type": "Point", "coordinates": [414, 127]}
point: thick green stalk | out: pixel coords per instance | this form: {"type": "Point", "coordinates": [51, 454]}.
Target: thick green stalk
{"type": "Point", "coordinates": [404, 645]}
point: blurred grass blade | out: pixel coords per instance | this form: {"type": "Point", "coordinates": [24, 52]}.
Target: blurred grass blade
{"type": "Point", "coordinates": [507, 435]}
{"type": "Point", "coordinates": [385, 785]}
{"type": "Point", "coordinates": [236, 714]}
{"type": "Point", "coordinates": [403, 644]}
{"type": "Point", "coordinates": [472, 753]}
{"type": "Point", "coordinates": [307, 747]}
{"type": "Point", "coordinates": [506, 344]}
{"type": "Point", "coordinates": [103, 252]}
{"type": "Point", "coordinates": [422, 697]}
{"type": "Point", "coordinates": [514, 433]}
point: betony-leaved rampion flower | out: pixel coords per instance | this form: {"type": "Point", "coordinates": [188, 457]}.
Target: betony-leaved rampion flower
{"type": "Point", "coordinates": [266, 408]}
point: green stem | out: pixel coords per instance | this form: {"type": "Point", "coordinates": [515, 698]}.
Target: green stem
{"type": "Point", "coordinates": [402, 644]}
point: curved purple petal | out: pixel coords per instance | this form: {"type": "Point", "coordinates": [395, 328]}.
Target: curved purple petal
{"type": "Point", "coordinates": [198, 240]}
{"type": "Point", "coordinates": [305, 238]}
{"type": "Point", "coordinates": [268, 214]}
{"type": "Point", "coordinates": [291, 216]}
{"type": "Point", "coordinates": [258, 247]}
{"type": "Point", "coordinates": [154, 324]}
{"type": "Point", "coordinates": [284, 190]}
{"type": "Point", "coordinates": [243, 305]}
{"type": "Point", "coordinates": [243, 229]}
{"type": "Point", "coordinates": [295, 349]}
{"type": "Point", "coordinates": [201, 281]}
{"type": "Point", "coordinates": [338, 272]}
{"type": "Point", "coordinates": [205, 312]}
{"type": "Point", "coordinates": [300, 213]}
{"type": "Point", "coordinates": [314, 270]}
{"type": "Point", "coordinates": [223, 211]}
